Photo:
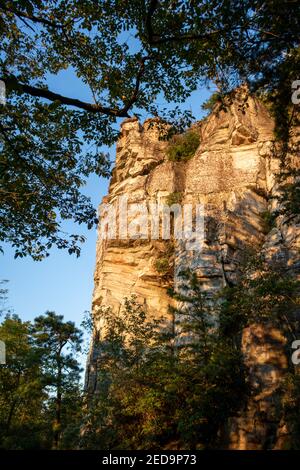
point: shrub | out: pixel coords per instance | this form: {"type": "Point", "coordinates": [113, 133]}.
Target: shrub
{"type": "Point", "coordinates": [209, 104]}
{"type": "Point", "coordinates": [269, 219]}
{"type": "Point", "coordinates": [183, 147]}
{"type": "Point", "coordinates": [162, 265]}
{"type": "Point", "coordinates": [174, 198]}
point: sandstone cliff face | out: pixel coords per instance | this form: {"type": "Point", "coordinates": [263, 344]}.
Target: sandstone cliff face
{"type": "Point", "coordinates": [233, 175]}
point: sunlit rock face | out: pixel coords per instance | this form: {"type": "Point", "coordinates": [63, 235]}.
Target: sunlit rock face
{"type": "Point", "coordinates": [125, 266]}
{"type": "Point", "coordinates": [232, 174]}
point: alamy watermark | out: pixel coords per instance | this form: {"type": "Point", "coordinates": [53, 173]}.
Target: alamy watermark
{"type": "Point", "coordinates": [2, 93]}
{"type": "Point", "coordinates": [125, 220]}
{"type": "Point", "coordinates": [296, 92]}
{"type": "Point", "coordinates": [2, 352]}
{"type": "Point", "coordinates": [296, 354]}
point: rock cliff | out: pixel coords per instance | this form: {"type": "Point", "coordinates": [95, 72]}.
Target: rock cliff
{"type": "Point", "coordinates": [233, 175]}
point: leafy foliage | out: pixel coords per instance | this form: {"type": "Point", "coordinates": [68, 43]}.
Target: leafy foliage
{"type": "Point", "coordinates": [42, 169]}
{"type": "Point", "coordinates": [210, 103]}
{"type": "Point", "coordinates": [60, 371]}
{"type": "Point", "coordinates": [162, 265]}
{"type": "Point", "coordinates": [165, 383]}
{"type": "Point", "coordinates": [269, 219]}
{"type": "Point", "coordinates": [183, 147]}
{"type": "Point", "coordinates": [187, 376]}
{"type": "Point", "coordinates": [264, 293]}
{"type": "Point", "coordinates": [3, 297]}
{"type": "Point", "coordinates": [126, 55]}
{"type": "Point", "coordinates": [174, 198]}
{"type": "Point", "coordinates": [290, 403]}
{"type": "Point", "coordinates": [22, 395]}
{"type": "Point", "coordinates": [157, 390]}
{"type": "Point", "coordinates": [40, 396]}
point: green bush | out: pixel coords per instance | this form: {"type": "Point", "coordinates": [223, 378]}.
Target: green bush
{"type": "Point", "coordinates": [209, 104]}
{"type": "Point", "coordinates": [269, 219]}
{"type": "Point", "coordinates": [162, 265]}
{"type": "Point", "coordinates": [174, 198]}
{"type": "Point", "coordinates": [183, 147]}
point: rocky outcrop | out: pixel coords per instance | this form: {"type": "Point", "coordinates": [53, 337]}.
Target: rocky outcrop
{"type": "Point", "coordinates": [233, 175]}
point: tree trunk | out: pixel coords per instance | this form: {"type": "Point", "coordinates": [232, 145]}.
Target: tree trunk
{"type": "Point", "coordinates": [58, 400]}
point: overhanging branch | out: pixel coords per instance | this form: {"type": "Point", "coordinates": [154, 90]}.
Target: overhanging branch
{"type": "Point", "coordinates": [156, 40]}
{"type": "Point", "coordinates": [135, 93]}
{"type": "Point", "coordinates": [51, 96]}
{"type": "Point", "coordinates": [35, 19]}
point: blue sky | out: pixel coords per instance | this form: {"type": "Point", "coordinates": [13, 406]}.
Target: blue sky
{"type": "Point", "coordinates": [62, 282]}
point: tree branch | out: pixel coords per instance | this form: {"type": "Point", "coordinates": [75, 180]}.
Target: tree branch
{"type": "Point", "coordinates": [51, 96]}
{"type": "Point", "coordinates": [25, 22]}
{"type": "Point", "coordinates": [156, 40]}
{"type": "Point", "coordinates": [186, 37]}
{"type": "Point", "coordinates": [20, 158]}
{"type": "Point", "coordinates": [35, 19]}
{"type": "Point", "coordinates": [148, 22]}
{"type": "Point", "coordinates": [134, 96]}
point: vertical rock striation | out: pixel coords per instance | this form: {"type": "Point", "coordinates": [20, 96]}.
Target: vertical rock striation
{"type": "Point", "coordinates": [233, 175]}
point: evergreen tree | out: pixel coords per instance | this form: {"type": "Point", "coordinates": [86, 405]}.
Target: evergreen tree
{"type": "Point", "coordinates": [57, 341]}
{"type": "Point", "coordinates": [22, 394]}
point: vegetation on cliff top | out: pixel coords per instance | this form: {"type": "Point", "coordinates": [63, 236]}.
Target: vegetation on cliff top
{"type": "Point", "coordinates": [210, 103]}
{"type": "Point", "coordinates": [177, 46]}
{"type": "Point", "coordinates": [182, 147]}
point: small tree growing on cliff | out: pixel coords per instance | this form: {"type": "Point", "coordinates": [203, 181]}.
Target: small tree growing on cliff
{"type": "Point", "coordinates": [158, 389]}
{"type": "Point", "coordinates": [210, 364]}
{"type": "Point", "coordinates": [182, 147]}
{"type": "Point", "coordinates": [265, 292]}
{"type": "Point", "coordinates": [268, 295]}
